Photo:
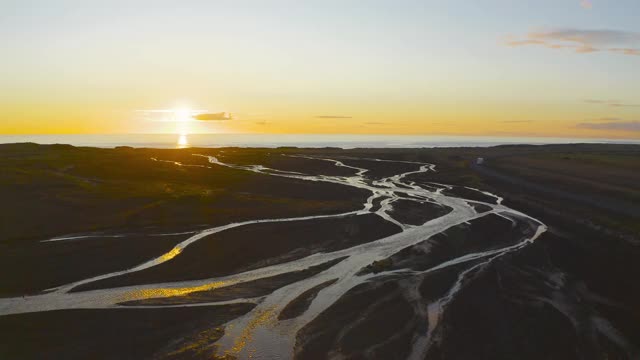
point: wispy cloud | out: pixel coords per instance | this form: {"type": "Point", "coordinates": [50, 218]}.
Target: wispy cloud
{"type": "Point", "coordinates": [332, 117]}
{"type": "Point", "coordinates": [167, 111]}
{"type": "Point", "coordinates": [213, 116]}
{"type": "Point", "coordinates": [609, 119]}
{"type": "Point", "coordinates": [611, 103]}
{"type": "Point", "coordinates": [582, 41]}
{"type": "Point", "coordinates": [586, 4]}
{"type": "Point", "coordinates": [626, 51]}
{"type": "Point", "coordinates": [611, 125]}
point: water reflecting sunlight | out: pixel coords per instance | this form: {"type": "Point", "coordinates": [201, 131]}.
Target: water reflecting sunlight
{"type": "Point", "coordinates": [183, 141]}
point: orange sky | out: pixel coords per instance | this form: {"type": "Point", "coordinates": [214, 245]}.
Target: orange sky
{"type": "Point", "coordinates": [553, 69]}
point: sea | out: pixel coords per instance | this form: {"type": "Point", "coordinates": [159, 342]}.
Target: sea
{"type": "Point", "coordinates": [295, 140]}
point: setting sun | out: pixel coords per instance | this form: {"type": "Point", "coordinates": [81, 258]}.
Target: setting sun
{"type": "Point", "coordinates": [183, 141]}
{"type": "Point", "coordinates": [399, 179]}
{"type": "Point", "coordinates": [183, 115]}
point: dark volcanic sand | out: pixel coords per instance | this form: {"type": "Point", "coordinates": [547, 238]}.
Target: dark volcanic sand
{"type": "Point", "coordinates": [36, 266]}
{"type": "Point", "coordinates": [414, 213]}
{"type": "Point", "coordinates": [258, 245]}
{"type": "Point", "coordinates": [380, 169]}
{"type": "Point", "coordinates": [369, 316]}
{"type": "Point", "coordinates": [572, 294]}
{"type": "Point", "coordinates": [115, 333]}
{"type": "Point", "coordinates": [246, 290]}
{"type": "Point", "coordinates": [486, 233]}
{"type": "Point", "coordinates": [528, 306]}
{"type": "Point", "coordinates": [302, 302]}
{"type": "Point", "coordinates": [463, 192]}
{"type": "Point", "coordinates": [274, 160]}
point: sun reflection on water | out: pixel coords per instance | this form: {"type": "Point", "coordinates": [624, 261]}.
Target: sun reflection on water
{"type": "Point", "coordinates": [171, 292]}
{"type": "Point", "coordinates": [183, 141]}
{"type": "Point", "coordinates": [262, 318]}
{"type": "Point", "coordinates": [171, 254]}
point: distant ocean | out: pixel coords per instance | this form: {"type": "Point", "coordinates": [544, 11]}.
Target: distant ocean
{"type": "Point", "coordinates": [270, 140]}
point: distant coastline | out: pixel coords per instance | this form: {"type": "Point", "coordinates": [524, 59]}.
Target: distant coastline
{"type": "Point", "coordinates": [297, 140]}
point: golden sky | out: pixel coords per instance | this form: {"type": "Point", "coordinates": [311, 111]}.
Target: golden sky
{"type": "Point", "coordinates": [535, 68]}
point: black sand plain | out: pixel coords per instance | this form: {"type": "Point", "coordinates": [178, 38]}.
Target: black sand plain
{"type": "Point", "coordinates": [589, 260]}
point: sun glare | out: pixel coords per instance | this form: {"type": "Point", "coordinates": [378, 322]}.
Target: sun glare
{"type": "Point", "coordinates": [182, 115]}
{"type": "Point", "coordinates": [183, 118]}
{"type": "Point", "coordinates": [183, 141]}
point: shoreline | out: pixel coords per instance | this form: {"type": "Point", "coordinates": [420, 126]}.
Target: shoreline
{"type": "Point", "coordinates": [306, 141]}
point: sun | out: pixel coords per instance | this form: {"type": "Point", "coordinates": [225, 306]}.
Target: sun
{"type": "Point", "coordinates": [183, 118]}
{"type": "Point", "coordinates": [182, 114]}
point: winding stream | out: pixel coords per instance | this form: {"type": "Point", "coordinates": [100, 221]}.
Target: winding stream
{"type": "Point", "coordinates": [259, 333]}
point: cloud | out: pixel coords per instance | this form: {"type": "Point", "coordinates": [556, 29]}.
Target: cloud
{"type": "Point", "coordinates": [375, 123]}
{"type": "Point", "coordinates": [586, 4]}
{"type": "Point", "coordinates": [611, 103]}
{"type": "Point", "coordinates": [213, 116]}
{"type": "Point", "coordinates": [165, 111]}
{"type": "Point", "coordinates": [626, 51]}
{"type": "Point", "coordinates": [516, 121]}
{"type": "Point", "coordinates": [614, 125]}
{"type": "Point", "coordinates": [333, 117]}
{"type": "Point", "coordinates": [582, 41]}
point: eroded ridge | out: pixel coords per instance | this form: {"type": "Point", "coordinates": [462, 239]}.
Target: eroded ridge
{"type": "Point", "coordinates": [264, 332]}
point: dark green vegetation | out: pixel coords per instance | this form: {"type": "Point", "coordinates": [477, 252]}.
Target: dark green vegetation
{"type": "Point", "coordinates": [60, 189]}
{"type": "Point", "coordinates": [55, 190]}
